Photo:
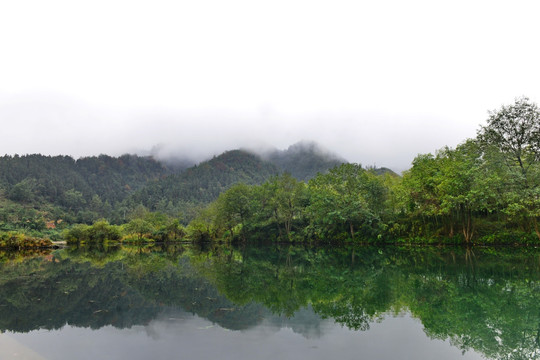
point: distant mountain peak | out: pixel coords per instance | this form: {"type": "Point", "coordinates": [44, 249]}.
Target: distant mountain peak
{"type": "Point", "coordinates": [304, 159]}
{"type": "Point", "coordinates": [310, 146]}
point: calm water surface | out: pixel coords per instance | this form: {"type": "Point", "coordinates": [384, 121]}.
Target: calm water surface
{"type": "Point", "coordinates": [268, 302]}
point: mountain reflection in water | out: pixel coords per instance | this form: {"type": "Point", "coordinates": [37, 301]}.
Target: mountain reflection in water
{"type": "Point", "coordinates": [288, 301]}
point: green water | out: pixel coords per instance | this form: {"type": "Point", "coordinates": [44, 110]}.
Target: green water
{"type": "Point", "coordinates": [258, 302]}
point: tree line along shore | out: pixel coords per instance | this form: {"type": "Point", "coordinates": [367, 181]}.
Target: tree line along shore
{"type": "Point", "coordinates": [484, 191]}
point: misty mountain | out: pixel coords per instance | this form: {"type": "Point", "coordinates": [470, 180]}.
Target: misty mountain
{"type": "Point", "coordinates": [176, 162]}
{"type": "Point", "coordinates": [382, 171]}
{"type": "Point", "coordinates": [304, 160]}
{"type": "Point", "coordinates": [202, 183]}
{"type": "Point", "coordinates": [84, 190]}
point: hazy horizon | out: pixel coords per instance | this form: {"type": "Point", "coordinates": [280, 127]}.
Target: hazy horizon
{"type": "Point", "coordinates": [377, 83]}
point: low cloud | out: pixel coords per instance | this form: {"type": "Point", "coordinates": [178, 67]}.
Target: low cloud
{"type": "Point", "coordinates": [52, 125]}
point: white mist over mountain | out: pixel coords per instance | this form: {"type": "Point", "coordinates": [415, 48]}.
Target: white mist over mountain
{"type": "Point", "coordinates": [376, 82]}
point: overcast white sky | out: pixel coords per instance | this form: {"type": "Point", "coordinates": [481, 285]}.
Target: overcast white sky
{"type": "Point", "coordinates": [375, 81]}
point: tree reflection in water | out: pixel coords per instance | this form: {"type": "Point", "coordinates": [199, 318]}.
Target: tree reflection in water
{"type": "Point", "coordinates": [481, 299]}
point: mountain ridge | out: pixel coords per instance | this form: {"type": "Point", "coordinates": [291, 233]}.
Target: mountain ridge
{"type": "Point", "coordinates": [90, 188]}
{"type": "Point", "coordinates": [304, 159]}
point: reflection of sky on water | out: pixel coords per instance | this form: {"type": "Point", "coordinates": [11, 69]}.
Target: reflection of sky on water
{"type": "Point", "coordinates": [183, 336]}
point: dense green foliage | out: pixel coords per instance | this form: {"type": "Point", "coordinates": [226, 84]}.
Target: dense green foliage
{"type": "Point", "coordinates": [42, 195]}
{"type": "Point", "coordinates": [73, 183]}
{"type": "Point", "coordinates": [486, 190]}
{"type": "Point", "coordinates": [147, 227]}
{"type": "Point", "coordinates": [19, 241]}
{"type": "Point", "coordinates": [61, 188]}
{"type": "Point", "coordinates": [197, 186]}
{"type": "Point", "coordinates": [347, 202]}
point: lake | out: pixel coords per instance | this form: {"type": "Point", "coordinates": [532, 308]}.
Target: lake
{"type": "Point", "coordinates": [209, 301]}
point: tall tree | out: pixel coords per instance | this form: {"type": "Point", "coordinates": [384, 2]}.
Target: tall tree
{"type": "Point", "coordinates": [347, 199]}
{"type": "Point", "coordinates": [234, 207]}
{"type": "Point", "coordinates": [515, 131]}
{"type": "Point", "coordinates": [465, 186]}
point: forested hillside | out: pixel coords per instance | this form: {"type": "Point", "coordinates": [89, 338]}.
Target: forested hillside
{"type": "Point", "coordinates": [485, 190]}
{"type": "Point", "coordinates": [201, 184]}
{"type": "Point", "coordinates": [39, 192]}
{"type": "Point", "coordinates": [37, 189]}
{"type": "Point", "coordinates": [38, 178]}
